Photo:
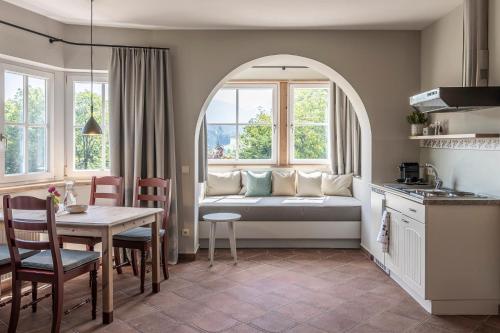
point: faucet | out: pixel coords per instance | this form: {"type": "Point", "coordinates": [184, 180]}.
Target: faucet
{"type": "Point", "coordinates": [437, 181]}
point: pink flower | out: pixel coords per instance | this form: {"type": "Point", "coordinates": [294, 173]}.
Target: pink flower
{"type": "Point", "coordinates": [51, 189]}
{"type": "Point", "coordinates": [57, 194]}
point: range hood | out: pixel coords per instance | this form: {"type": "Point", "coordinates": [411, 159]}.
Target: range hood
{"type": "Point", "coordinates": [453, 99]}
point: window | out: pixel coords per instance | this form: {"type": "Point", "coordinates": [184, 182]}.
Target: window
{"type": "Point", "coordinates": [87, 154]}
{"type": "Point", "coordinates": [309, 123]}
{"type": "Point", "coordinates": [241, 124]}
{"type": "Point", "coordinates": [26, 105]}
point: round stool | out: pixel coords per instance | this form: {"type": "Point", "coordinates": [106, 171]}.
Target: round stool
{"type": "Point", "coordinates": [229, 218]}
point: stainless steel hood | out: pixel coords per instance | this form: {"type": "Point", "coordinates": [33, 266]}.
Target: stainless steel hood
{"type": "Point", "coordinates": [453, 99]}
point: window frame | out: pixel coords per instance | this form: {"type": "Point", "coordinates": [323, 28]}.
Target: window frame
{"type": "Point", "coordinates": [49, 125]}
{"type": "Point", "coordinates": [291, 125]}
{"type": "Point", "coordinates": [69, 167]}
{"type": "Point", "coordinates": [274, 126]}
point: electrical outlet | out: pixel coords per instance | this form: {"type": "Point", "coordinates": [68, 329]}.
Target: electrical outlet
{"type": "Point", "coordinates": [186, 232]}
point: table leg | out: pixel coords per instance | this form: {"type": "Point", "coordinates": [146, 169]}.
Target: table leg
{"type": "Point", "coordinates": [232, 240]}
{"type": "Point", "coordinates": [211, 241]}
{"type": "Point", "coordinates": [155, 226]}
{"type": "Point", "coordinates": [107, 277]}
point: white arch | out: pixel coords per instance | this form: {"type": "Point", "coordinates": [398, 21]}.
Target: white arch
{"type": "Point", "coordinates": [362, 185]}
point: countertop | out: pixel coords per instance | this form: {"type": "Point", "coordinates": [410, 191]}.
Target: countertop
{"type": "Point", "coordinates": [489, 200]}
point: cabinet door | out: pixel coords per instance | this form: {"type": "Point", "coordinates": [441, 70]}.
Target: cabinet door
{"type": "Point", "coordinates": [413, 256]}
{"type": "Point", "coordinates": [394, 256]}
{"type": "Point", "coordinates": [377, 206]}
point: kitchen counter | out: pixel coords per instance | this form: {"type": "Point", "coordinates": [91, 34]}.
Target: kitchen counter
{"type": "Point", "coordinates": [483, 200]}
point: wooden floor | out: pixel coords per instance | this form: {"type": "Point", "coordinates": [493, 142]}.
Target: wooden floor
{"type": "Point", "coordinates": [309, 291]}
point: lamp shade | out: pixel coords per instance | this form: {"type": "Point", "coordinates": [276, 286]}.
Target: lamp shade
{"type": "Point", "coordinates": [91, 127]}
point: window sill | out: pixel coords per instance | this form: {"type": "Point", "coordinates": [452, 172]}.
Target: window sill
{"type": "Point", "coordinates": [20, 187]}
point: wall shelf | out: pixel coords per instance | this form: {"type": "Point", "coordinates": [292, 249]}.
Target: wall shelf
{"type": "Point", "coordinates": [456, 136]}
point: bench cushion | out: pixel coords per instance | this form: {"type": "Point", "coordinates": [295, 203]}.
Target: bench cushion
{"type": "Point", "coordinates": [328, 208]}
{"type": "Point", "coordinates": [5, 255]}
{"type": "Point", "coordinates": [139, 234]}
{"type": "Point", "coordinates": [70, 259]}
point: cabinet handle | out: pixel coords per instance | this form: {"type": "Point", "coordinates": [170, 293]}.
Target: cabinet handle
{"type": "Point", "coordinates": [413, 210]}
{"type": "Point", "coordinates": [405, 221]}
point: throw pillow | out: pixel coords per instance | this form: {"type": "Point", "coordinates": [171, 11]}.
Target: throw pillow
{"type": "Point", "coordinates": [243, 182]}
{"type": "Point", "coordinates": [339, 185]}
{"type": "Point", "coordinates": [283, 182]}
{"type": "Point", "coordinates": [309, 184]}
{"type": "Point", "coordinates": [258, 184]}
{"type": "Point", "coordinates": [223, 183]}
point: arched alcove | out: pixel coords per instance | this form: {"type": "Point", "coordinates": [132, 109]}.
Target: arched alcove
{"type": "Point", "coordinates": [361, 185]}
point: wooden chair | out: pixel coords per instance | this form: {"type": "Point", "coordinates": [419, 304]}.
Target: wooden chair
{"type": "Point", "coordinates": [6, 267]}
{"type": "Point", "coordinates": [52, 265]}
{"type": "Point", "coordinates": [116, 196]}
{"type": "Point", "coordinates": [140, 238]}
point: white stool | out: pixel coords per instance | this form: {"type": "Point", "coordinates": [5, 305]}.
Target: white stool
{"type": "Point", "coordinates": [230, 218]}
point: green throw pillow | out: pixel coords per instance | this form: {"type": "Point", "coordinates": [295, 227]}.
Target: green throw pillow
{"type": "Point", "coordinates": [258, 184]}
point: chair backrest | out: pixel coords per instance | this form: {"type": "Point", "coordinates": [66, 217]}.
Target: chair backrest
{"type": "Point", "coordinates": [158, 191]}
{"type": "Point", "coordinates": [116, 195]}
{"type": "Point", "coordinates": [12, 224]}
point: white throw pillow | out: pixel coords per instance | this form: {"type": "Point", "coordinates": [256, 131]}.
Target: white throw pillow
{"type": "Point", "coordinates": [243, 182]}
{"type": "Point", "coordinates": [223, 183]}
{"type": "Point", "coordinates": [309, 184]}
{"type": "Point", "coordinates": [283, 182]}
{"type": "Point", "coordinates": [339, 185]}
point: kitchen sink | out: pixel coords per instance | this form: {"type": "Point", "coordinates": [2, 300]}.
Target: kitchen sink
{"type": "Point", "coordinates": [444, 193]}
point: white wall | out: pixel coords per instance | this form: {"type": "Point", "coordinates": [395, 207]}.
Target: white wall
{"type": "Point", "coordinates": [441, 65]}
{"type": "Point", "coordinates": [382, 66]}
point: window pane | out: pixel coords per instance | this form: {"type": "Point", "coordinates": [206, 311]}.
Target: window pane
{"type": "Point", "coordinates": [221, 141]}
{"type": "Point", "coordinates": [37, 149]}
{"type": "Point", "coordinates": [310, 105]}
{"type": "Point", "coordinates": [255, 142]}
{"type": "Point", "coordinates": [14, 98]}
{"type": "Point", "coordinates": [88, 151]}
{"type": "Point", "coordinates": [82, 103]}
{"type": "Point", "coordinates": [36, 100]}
{"type": "Point", "coordinates": [255, 105]}
{"type": "Point", "coordinates": [14, 153]}
{"type": "Point", "coordinates": [222, 108]}
{"type": "Point", "coordinates": [310, 142]}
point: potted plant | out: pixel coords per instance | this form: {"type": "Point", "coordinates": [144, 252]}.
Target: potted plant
{"type": "Point", "coordinates": [56, 197]}
{"type": "Point", "coordinates": [417, 120]}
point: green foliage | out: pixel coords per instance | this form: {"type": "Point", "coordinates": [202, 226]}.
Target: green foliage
{"type": "Point", "coordinates": [256, 140]}
{"type": "Point", "coordinates": [417, 118]}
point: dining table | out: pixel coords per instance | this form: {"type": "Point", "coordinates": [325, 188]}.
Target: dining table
{"type": "Point", "coordinates": [104, 222]}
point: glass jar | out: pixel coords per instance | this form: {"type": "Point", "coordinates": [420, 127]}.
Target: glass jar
{"type": "Point", "coordinates": [69, 194]}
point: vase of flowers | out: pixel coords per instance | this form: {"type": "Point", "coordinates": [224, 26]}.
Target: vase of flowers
{"type": "Point", "coordinates": [417, 120]}
{"type": "Point", "coordinates": [56, 197]}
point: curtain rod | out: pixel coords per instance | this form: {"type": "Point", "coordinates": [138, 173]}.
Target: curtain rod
{"type": "Point", "coordinates": [53, 39]}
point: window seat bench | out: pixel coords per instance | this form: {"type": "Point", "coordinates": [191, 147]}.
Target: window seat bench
{"type": "Point", "coordinates": [329, 221]}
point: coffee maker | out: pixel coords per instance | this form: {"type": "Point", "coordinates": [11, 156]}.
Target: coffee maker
{"type": "Point", "coordinates": [409, 173]}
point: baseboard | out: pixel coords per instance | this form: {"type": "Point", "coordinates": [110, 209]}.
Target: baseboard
{"type": "Point", "coordinates": [286, 243]}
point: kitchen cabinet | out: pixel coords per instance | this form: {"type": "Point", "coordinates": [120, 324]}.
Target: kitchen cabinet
{"type": "Point", "coordinates": [444, 252]}
{"type": "Point", "coordinates": [377, 209]}
{"type": "Point", "coordinates": [412, 259]}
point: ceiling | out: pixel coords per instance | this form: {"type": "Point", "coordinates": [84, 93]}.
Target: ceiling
{"type": "Point", "coordinates": [249, 14]}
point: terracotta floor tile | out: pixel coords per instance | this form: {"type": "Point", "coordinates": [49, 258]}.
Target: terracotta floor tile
{"type": "Point", "coordinates": [186, 312]}
{"type": "Point", "coordinates": [427, 328]}
{"type": "Point", "coordinates": [243, 328]}
{"type": "Point", "coordinates": [454, 323]}
{"type": "Point", "coordinates": [333, 321]}
{"type": "Point", "coordinates": [156, 322]}
{"type": "Point", "coordinates": [274, 322]}
{"type": "Point", "coordinates": [393, 322]}
{"type": "Point", "coordinates": [299, 311]}
{"type": "Point", "coordinates": [214, 322]}
{"type": "Point", "coordinates": [494, 321]}
{"type": "Point", "coordinates": [305, 328]}
{"type": "Point", "coordinates": [193, 292]}
{"type": "Point", "coordinates": [411, 309]}
{"type": "Point", "coordinates": [367, 328]}
{"type": "Point", "coordinates": [485, 328]}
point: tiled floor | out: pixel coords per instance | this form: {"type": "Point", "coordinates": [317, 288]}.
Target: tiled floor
{"type": "Point", "coordinates": [299, 291]}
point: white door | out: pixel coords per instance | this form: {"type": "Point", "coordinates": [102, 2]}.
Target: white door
{"type": "Point", "coordinates": [377, 207]}
{"type": "Point", "coordinates": [413, 254]}
{"type": "Point", "coordinates": [394, 256]}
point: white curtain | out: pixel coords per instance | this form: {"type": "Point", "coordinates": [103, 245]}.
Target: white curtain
{"type": "Point", "coordinates": [142, 124]}
{"type": "Point", "coordinates": [345, 135]}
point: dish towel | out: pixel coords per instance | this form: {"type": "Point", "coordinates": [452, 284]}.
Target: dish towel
{"type": "Point", "coordinates": [383, 234]}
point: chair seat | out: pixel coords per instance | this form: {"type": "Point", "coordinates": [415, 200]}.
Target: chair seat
{"type": "Point", "coordinates": [71, 259]}
{"type": "Point", "coordinates": [139, 234]}
{"type": "Point", "coordinates": [5, 255]}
